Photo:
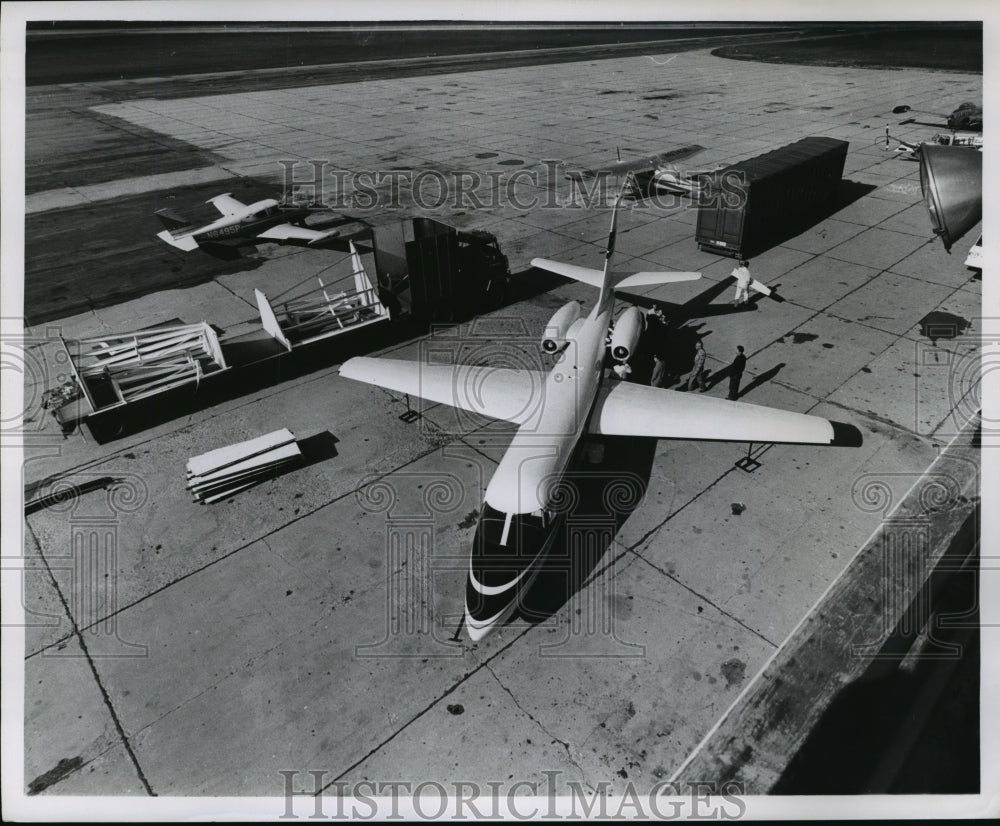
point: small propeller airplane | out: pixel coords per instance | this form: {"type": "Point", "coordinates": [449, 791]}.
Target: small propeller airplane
{"type": "Point", "coordinates": [267, 219]}
{"type": "Point", "coordinates": [648, 162]}
{"type": "Point", "coordinates": [520, 514]}
{"type": "Point", "coordinates": [966, 116]}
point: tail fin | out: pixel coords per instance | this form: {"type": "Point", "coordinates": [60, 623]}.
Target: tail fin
{"type": "Point", "coordinates": [605, 280]}
{"type": "Point", "coordinates": [607, 290]}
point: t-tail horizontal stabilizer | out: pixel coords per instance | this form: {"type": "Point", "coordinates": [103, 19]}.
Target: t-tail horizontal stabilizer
{"type": "Point", "coordinates": [181, 242]}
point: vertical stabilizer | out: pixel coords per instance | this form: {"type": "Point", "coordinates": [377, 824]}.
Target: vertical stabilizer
{"type": "Point", "coordinates": [607, 290]}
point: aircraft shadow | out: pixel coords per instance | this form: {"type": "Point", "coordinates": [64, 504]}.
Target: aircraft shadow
{"type": "Point", "coordinates": [701, 305]}
{"type": "Point", "coordinates": [599, 498]}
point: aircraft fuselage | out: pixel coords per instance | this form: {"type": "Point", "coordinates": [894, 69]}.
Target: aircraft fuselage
{"type": "Point", "coordinates": [258, 217]}
{"type": "Point", "coordinates": [524, 507]}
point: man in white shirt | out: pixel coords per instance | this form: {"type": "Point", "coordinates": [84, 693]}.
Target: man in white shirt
{"type": "Point", "coordinates": [742, 276]}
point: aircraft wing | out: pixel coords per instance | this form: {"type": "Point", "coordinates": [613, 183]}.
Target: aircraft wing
{"type": "Point", "coordinates": [627, 409]}
{"type": "Point", "coordinates": [649, 162]}
{"type": "Point", "coordinates": [500, 393]}
{"type": "Point", "coordinates": [226, 204]}
{"type": "Point", "coordinates": [286, 232]}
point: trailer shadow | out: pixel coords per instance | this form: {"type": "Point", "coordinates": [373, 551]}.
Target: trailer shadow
{"type": "Point", "coordinates": [847, 193]}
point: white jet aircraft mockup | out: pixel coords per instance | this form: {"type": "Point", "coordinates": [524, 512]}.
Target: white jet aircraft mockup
{"type": "Point", "coordinates": [553, 411]}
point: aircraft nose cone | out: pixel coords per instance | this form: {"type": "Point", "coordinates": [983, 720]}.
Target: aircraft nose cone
{"type": "Point", "coordinates": [476, 633]}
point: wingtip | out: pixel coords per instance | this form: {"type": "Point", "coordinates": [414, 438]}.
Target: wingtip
{"type": "Point", "coordinates": [846, 435]}
{"type": "Point", "coordinates": [327, 236]}
{"type": "Point", "coordinates": [349, 369]}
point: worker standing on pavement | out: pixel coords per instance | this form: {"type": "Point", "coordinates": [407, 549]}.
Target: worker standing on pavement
{"type": "Point", "coordinates": [742, 276]}
{"type": "Point", "coordinates": [658, 379]}
{"type": "Point", "coordinates": [736, 373]}
{"type": "Point", "coordinates": [698, 371]}
{"type": "Point", "coordinates": [655, 336]}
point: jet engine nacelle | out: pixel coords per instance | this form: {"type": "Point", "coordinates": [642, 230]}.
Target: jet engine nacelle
{"type": "Point", "coordinates": [625, 337]}
{"type": "Point", "coordinates": [556, 331]}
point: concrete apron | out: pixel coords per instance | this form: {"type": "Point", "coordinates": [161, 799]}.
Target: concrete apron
{"type": "Point", "coordinates": [857, 630]}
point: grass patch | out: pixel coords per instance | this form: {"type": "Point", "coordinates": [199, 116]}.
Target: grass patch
{"type": "Point", "coordinates": [954, 50]}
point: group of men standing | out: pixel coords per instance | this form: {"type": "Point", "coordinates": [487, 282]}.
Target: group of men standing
{"type": "Point", "coordinates": [697, 376]}
{"type": "Point", "coordinates": [656, 327]}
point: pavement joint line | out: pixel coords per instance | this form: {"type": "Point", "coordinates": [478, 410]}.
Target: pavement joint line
{"type": "Point", "coordinates": [886, 269]}
{"type": "Point", "coordinates": [537, 722]}
{"type": "Point", "coordinates": [447, 692]}
{"type": "Point", "coordinates": [106, 698]}
{"type": "Point", "coordinates": [705, 599]}
{"type": "Point", "coordinates": [262, 538]}
{"type": "Point", "coordinates": [826, 311]}
{"type": "Point", "coordinates": [958, 406]}
{"type": "Point", "coordinates": [805, 617]}
{"type": "Point", "coordinates": [632, 549]}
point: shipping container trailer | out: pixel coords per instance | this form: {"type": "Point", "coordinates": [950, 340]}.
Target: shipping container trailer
{"type": "Point", "coordinates": [453, 274]}
{"type": "Point", "coordinates": [747, 206]}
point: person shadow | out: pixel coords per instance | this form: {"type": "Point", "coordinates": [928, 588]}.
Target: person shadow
{"type": "Point", "coordinates": [764, 377]}
{"type": "Point", "coordinates": [714, 377]}
{"type": "Point", "coordinates": [756, 382]}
